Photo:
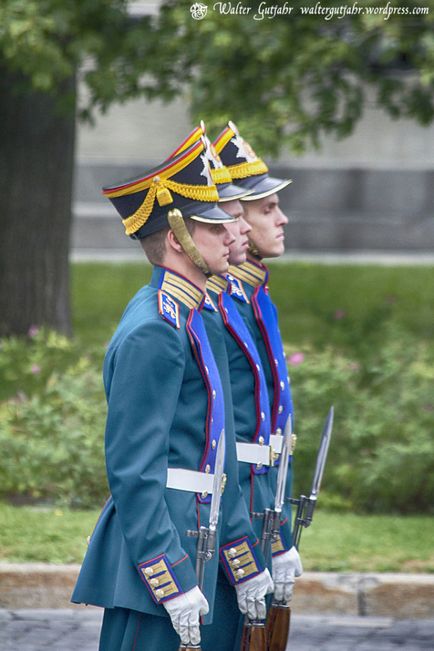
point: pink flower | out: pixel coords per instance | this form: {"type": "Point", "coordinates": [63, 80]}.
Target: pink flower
{"type": "Point", "coordinates": [33, 331]}
{"type": "Point", "coordinates": [295, 359]}
{"type": "Point", "coordinates": [35, 369]}
{"type": "Point", "coordinates": [340, 314]}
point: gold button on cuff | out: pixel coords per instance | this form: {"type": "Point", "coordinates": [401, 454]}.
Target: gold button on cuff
{"type": "Point", "coordinates": [159, 593]}
{"type": "Point", "coordinates": [154, 582]}
{"type": "Point", "coordinates": [232, 552]}
{"type": "Point", "coordinates": [149, 571]}
{"type": "Point", "coordinates": [239, 574]}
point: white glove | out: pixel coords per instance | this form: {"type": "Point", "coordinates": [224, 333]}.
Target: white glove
{"type": "Point", "coordinates": [251, 595]}
{"type": "Point", "coordinates": [285, 568]}
{"type": "Point", "coordinates": [184, 612]}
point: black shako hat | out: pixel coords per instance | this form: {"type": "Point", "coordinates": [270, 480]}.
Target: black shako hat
{"type": "Point", "coordinates": [245, 168]}
{"type": "Point", "coordinates": [183, 182]}
{"type": "Point", "coordinates": [220, 175]}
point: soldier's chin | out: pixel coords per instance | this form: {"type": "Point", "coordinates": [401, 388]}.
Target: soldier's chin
{"type": "Point", "coordinates": [274, 251]}
{"type": "Point", "coordinates": [237, 257]}
{"type": "Point", "coordinates": [220, 267]}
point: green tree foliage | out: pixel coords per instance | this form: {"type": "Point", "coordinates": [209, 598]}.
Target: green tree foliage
{"type": "Point", "coordinates": [285, 80]}
{"type": "Point", "coordinates": [47, 40]}
{"type": "Point", "coordinates": [289, 79]}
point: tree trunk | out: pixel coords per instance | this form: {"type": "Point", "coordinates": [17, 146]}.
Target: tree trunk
{"type": "Point", "coordinates": [36, 173]}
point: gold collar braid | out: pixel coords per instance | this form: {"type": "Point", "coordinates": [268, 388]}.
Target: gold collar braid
{"type": "Point", "coordinates": [160, 189]}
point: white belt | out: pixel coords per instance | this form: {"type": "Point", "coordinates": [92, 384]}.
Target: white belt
{"type": "Point", "coordinates": [255, 453]}
{"type": "Point", "coordinates": [190, 480]}
{"type": "Point", "coordinates": [276, 442]}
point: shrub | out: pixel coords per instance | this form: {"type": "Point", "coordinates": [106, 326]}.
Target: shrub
{"type": "Point", "coordinates": [51, 430]}
{"type": "Point", "coordinates": [381, 455]}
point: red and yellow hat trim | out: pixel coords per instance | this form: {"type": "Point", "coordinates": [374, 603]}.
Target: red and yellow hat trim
{"type": "Point", "coordinates": [159, 185]}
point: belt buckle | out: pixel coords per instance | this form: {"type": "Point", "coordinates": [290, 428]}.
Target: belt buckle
{"type": "Point", "coordinates": [273, 456]}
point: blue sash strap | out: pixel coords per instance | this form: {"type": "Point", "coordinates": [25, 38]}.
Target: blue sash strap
{"type": "Point", "coordinates": [265, 315]}
{"type": "Point", "coordinates": [215, 420]}
{"type": "Point", "coordinates": [239, 331]}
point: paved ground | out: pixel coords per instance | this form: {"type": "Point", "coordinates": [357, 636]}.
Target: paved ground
{"type": "Point", "coordinates": [77, 630]}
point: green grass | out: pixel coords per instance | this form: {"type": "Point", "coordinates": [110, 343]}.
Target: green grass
{"type": "Point", "coordinates": [311, 298]}
{"type": "Point", "coordinates": [335, 542]}
{"type": "Point", "coordinates": [345, 306]}
{"type": "Point", "coordinates": [100, 293]}
{"type": "Point", "coordinates": [56, 535]}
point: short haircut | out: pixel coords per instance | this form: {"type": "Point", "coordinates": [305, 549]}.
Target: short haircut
{"type": "Point", "coordinates": [154, 245]}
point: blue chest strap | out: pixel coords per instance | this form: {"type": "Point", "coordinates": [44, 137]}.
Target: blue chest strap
{"type": "Point", "coordinates": [215, 420]}
{"type": "Point", "coordinates": [265, 314]}
{"type": "Point", "coordinates": [239, 331]}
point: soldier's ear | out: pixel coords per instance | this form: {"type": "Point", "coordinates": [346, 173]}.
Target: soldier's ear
{"type": "Point", "coordinates": [172, 242]}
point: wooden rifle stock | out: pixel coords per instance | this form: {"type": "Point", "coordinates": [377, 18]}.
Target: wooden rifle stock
{"type": "Point", "coordinates": [278, 622]}
{"type": "Point", "coordinates": [254, 636]}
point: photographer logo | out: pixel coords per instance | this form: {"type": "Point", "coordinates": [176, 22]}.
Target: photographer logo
{"type": "Point", "coordinates": [198, 11]}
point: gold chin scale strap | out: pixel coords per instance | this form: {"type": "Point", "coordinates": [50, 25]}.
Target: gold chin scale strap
{"type": "Point", "coordinates": [253, 249]}
{"type": "Point", "coordinates": [177, 224]}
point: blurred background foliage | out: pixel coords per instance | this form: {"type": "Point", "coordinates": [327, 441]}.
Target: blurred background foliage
{"type": "Point", "coordinates": [352, 340]}
{"type": "Point", "coordinates": [304, 74]}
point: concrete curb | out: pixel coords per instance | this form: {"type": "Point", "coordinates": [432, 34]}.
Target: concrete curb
{"type": "Point", "coordinates": [400, 596]}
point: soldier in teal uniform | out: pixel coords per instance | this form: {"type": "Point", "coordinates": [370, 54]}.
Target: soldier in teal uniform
{"type": "Point", "coordinates": [166, 414]}
{"type": "Point", "coordinates": [242, 402]}
{"type": "Point", "coordinates": [251, 410]}
{"type": "Point", "coordinates": [249, 290]}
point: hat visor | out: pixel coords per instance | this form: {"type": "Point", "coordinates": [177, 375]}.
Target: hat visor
{"type": "Point", "coordinates": [231, 192]}
{"type": "Point", "coordinates": [212, 214]}
{"type": "Point", "coordinates": [265, 187]}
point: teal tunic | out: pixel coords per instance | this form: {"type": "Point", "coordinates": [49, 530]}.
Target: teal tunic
{"type": "Point", "coordinates": [250, 293]}
{"type": "Point", "coordinates": [249, 397]}
{"type": "Point", "coordinates": [165, 410]}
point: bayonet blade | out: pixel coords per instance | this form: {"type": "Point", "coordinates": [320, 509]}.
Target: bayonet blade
{"type": "Point", "coordinates": [217, 483]}
{"type": "Point", "coordinates": [322, 454]}
{"type": "Point", "coordinates": [283, 465]}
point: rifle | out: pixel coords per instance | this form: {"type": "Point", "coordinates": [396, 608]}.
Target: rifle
{"type": "Point", "coordinates": [254, 632]}
{"type": "Point", "coordinates": [279, 617]}
{"type": "Point", "coordinates": [207, 536]}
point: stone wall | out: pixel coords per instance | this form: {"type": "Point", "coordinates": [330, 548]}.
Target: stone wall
{"type": "Point", "coordinates": [373, 191]}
